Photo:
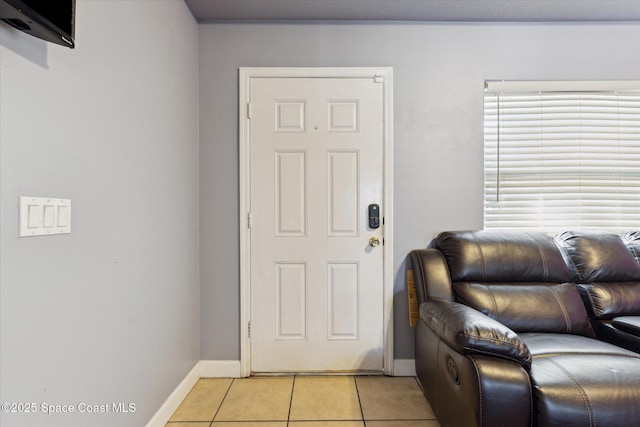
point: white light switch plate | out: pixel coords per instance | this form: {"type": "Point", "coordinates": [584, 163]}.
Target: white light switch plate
{"type": "Point", "coordinates": [41, 216]}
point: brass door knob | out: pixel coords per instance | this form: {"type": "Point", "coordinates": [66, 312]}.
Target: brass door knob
{"type": "Point", "coordinates": [374, 241]}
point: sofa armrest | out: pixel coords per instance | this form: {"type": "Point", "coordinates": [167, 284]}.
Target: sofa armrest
{"type": "Point", "coordinates": [466, 330]}
{"type": "Point", "coordinates": [431, 275]}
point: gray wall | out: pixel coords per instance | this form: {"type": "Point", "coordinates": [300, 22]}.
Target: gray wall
{"type": "Point", "coordinates": [439, 71]}
{"type": "Point", "coordinates": [108, 313]}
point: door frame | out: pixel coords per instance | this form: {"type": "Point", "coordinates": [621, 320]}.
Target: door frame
{"type": "Point", "coordinates": [385, 74]}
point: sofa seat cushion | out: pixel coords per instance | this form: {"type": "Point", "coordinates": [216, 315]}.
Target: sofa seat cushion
{"type": "Point", "coordinates": [606, 300]}
{"type": "Point", "coordinates": [580, 381]}
{"type": "Point", "coordinates": [529, 307]}
{"type": "Point", "coordinates": [544, 345]}
{"type": "Point", "coordinates": [630, 324]}
{"type": "Point", "coordinates": [578, 390]}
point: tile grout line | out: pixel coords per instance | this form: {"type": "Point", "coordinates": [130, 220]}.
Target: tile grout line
{"type": "Point", "coordinates": [222, 401]}
{"type": "Point", "coordinates": [364, 422]}
{"type": "Point", "coordinates": [293, 386]}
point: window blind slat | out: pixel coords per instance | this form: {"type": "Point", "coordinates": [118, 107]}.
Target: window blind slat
{"type": "Point", "coordinates": [557, 160]}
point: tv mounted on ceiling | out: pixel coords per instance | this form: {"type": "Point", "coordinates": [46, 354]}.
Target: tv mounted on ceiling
{"type": "Point", "coordinates": [50, 20]}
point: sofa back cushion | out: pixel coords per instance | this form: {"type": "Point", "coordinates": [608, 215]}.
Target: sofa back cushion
{"type": "Point", "coordinates": [598, 257]}
{"type": "Point", "coordinates": [517, 278]}
{"type": "Point", "coordinates": [632, 240]}
{"type": "Point", "coordinates": [606, 300]}
{"type": "Point", "coordinates": [529, 307]}
{"type": "Point", "coordinates": [502, 256]}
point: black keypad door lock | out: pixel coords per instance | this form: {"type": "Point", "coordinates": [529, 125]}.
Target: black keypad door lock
{"type": "Point", "coordinates": [374, 216]}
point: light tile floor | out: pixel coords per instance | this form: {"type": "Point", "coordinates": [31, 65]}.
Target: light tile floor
{"type": "Point", "coordinates": [305, 401]}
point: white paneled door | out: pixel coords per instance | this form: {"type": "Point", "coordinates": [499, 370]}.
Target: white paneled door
{"type": "Point", "coordinates": [316, 164]}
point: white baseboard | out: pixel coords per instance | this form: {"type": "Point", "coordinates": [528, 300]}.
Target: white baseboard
{"type": "Point", "coordinates": [175, 398]}
{"type": "Point", "coordinates": [404, 368]}
{"type": "Point", "coordinates": [202, 369]}
{"type": "Point", "coordinates": [219, 369]}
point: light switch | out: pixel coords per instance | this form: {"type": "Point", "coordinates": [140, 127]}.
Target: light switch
{"type": "Point", "coordinates": [34, 212]}
{"type": "Point", "coordinates": [44, 215]}
{"type": "Point", "coordinates": [63, 216]}
{"type": "Point", "coordinates": [49, 216]}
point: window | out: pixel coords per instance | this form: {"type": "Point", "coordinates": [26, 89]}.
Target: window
{"type": "Point", "coordinates": [562, 155]}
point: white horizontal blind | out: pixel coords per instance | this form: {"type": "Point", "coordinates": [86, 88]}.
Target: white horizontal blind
{"type": "Point", "coordinates": [562, 160]}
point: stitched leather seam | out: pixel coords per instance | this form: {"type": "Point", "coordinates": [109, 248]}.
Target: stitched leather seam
{"type": "Point", "coordinates": [545, 267]}
{"type": "Point", "coordinates": [493, 340]}
{"type": "Point", "coordinates": [500, 356]}
{"type": "Point", "coordinates": [563, 308]}
{"type": "Point", "coordinates": [510, 344]}
{"type": "Point", "coordinates": [495, 303]}
{"type": "Point", "coordinates": [475, 239]}
{"type": "Point", "coordinates": [585, 398]}
{"type": "Point", "coordinates": [528, 378]}
{"type": "Point", "coordinates": [481, 338]}
{"type": "Point", "coordinates": [614, 297]}
{"type": "Point", "coordinates": [507, 343]}
{"type": "Point", "coordinates": [530, 388]}
{"type": "Point", "coordinates": [530, 398]}
{"type": "Point", "coordinates": [479, 391]}
{"type": "Point", "coordinates": [577, 353]}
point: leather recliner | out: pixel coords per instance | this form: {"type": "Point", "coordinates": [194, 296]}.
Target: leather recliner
{"type": "Point", "coordinates": [505, 340]}
{"type": "Point", "coordinates": [607, 275]}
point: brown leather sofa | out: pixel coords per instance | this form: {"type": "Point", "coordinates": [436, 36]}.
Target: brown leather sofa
{"type": "Point", "coordinates": [504, 338]}
{"type": "Point", "coordinates": [607, 275]}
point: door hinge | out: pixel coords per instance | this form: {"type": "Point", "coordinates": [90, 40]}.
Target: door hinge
{"type": "Point", "coordinates": [378, 79]}
{"type": "Point", "coordinates": [249, 220]}
{"type": "Point", "coordinates": [249, 328]}
{"type": "Point", "coordinates": [249, 110]}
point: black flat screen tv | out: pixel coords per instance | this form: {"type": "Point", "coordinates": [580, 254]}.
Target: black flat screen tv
{"type": "Point", "coordinates": [50, 20]}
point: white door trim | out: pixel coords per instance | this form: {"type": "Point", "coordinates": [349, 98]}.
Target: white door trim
{"type": "Point", "coordinates": [245, 75]}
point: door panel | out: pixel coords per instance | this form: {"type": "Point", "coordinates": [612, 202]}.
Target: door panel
{"type": "Point", "coordinates": [290, 193]}
{"type": "Point", "coordinates": [343, 193]}
{"type": "Point", "coordinates": [316, 163]}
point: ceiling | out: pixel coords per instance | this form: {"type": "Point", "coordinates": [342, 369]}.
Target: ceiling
{"type": "Point", "coordinates": [416, 10]}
